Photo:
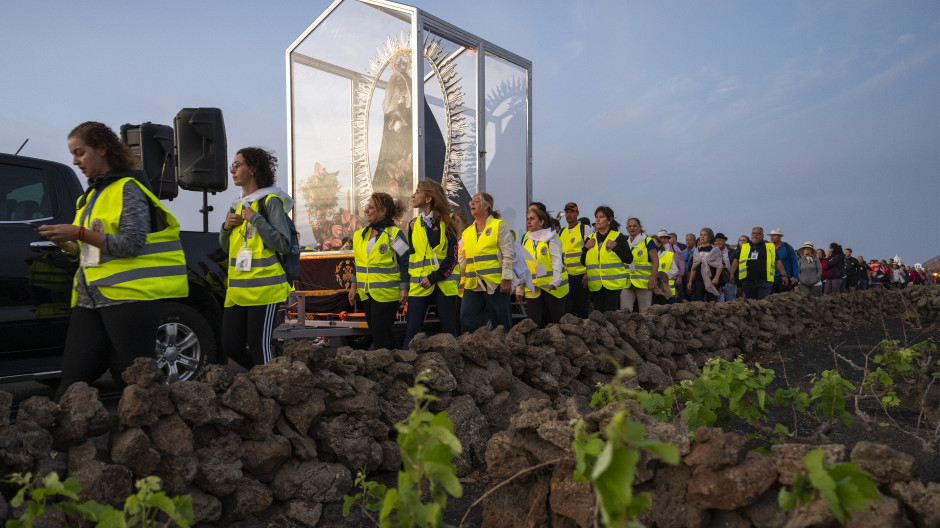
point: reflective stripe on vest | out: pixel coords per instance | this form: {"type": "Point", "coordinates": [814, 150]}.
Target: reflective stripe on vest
{"type": "Point", "coordinates": [771, 260]}
{"type": "Point", "coordinates": [159, 272]}
{"type": "Point", "coordinates": [541, 251]}
{"type": "Point", "coordinates": [603, 267]}
{"type": "Point", "coordinates": [421, 264]}
{"type": "Point", "coordinates": [571, 245]}
{"type": "Point", "coordinates": [480, 253]}
{"type": "Point", "coordinates": [265, 283]}
{"type": "Point", "coordinates": [377, 274]}
{"type": "Point", "coordinates": [665, 264]}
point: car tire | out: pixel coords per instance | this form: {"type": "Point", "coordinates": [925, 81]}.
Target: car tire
{"type": "Point", "coordinates": [185, 342]}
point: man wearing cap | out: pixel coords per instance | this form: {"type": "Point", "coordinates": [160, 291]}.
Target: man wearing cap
{"type": "Point", "coordinates": [784, 282]}
{"type": "Point", "coordinates": [670, 261]}
{"type": "Point", "coordinates": [753, 270]}
{"type": "Point", "coordinates": [730, 291]}
{"type": "Point", "coordinates": [572, 241]}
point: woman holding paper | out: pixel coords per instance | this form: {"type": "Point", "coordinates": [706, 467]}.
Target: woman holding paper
{"type": "Point", "coordinates": [545, 301]}
{"type": "Point", "coordinates": [604, 255]}
{"type": "Point", "coordinates": [381, 278]}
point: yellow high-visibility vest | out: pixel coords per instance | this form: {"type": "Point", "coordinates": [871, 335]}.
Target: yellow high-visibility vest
{"type": "Point", "coordinates": [746, 253]}
{"type": "Point", "coordinates": [421, 262]}
{"type": "Point", "coordinates": [266, 282]}
{"type": "Point", "coordinates": [571, 248]}
{"type": "Point", "coordinates": [480, 252]}
{"type": "Point", "coordinates": [542, 254]}
{"type": "Point", "coordinates": [377, 274]}
{"type": "Point", "coordinates": [603, 267]}
{"type": "Point", "coordinates": [665, 264]}
{"type": "Point", "coordinates": [158, 272]}
{"type": "Point", "coordinates": [642, 268]}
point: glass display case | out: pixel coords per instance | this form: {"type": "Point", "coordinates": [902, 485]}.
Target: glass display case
{"type": "Point", "coordinates": [382, 95]}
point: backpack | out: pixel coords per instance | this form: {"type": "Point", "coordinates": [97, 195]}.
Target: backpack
{"type": "Point", "coordinates": [289, 261]}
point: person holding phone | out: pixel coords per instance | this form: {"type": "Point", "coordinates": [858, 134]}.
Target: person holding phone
{"type": "Point", "coordinates": [130, 259]}
{"type": "Point", "coordinates": [381, 278]}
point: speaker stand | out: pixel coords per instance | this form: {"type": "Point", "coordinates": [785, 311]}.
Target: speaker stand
{"type": "Point", "coordinates": [206, 209]}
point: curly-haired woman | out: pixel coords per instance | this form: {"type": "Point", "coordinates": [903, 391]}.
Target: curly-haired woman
{"type": "Point", "coordinates": [257, 283]}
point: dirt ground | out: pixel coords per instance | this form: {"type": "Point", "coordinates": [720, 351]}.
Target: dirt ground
{"type": "Point", "coordinates": [797, 365]}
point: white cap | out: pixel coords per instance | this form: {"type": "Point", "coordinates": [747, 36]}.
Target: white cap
{"type": "Point", "coordinates": [776, 231]}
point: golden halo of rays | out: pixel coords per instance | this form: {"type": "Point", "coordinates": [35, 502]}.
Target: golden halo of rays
{"type": "Point", "coordinates": [455, 122]}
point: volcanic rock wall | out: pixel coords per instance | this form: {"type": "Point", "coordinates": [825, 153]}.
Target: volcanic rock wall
{"type": "Point", "coordinates": [293, 433]}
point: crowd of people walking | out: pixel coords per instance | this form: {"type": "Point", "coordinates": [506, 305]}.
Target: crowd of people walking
{"type": "Point", "coordinates": [568, 264]}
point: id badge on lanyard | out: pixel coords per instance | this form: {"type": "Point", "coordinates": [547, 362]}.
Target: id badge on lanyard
{"type": "Point", "coordinates": [243, 257]}
{"type": "Point", "coordinates": [90, 256]}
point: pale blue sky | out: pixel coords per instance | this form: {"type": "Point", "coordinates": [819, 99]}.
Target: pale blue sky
{"type": "Point", "coordinates": [818, 117]}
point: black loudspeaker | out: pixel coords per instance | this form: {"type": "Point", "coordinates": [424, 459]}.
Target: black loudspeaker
{"type": "Point", "coordinates": [201, 157]}
{"type": "Point", "coordinates": [153, 146]}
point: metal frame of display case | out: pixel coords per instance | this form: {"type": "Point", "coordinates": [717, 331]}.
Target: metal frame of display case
{"type": "Point", "coordinates": [421, 23]}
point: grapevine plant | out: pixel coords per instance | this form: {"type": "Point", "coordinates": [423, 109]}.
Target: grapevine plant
{"type": "Point", "coordinates": [428, 446]}
{"type": "Point", "coordinates": [142, 509]}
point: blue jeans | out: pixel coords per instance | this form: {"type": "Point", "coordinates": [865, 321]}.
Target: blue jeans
{"type": "Point", "coordinates": [729, 292]}
{"type": "Point", "coordinates": [478, 307]}
{"type": "Point", "coordinates": [862, 285]}
{"type": "Point", "coordinates": [756, 290]}
{"type": "Point", "coordinates": [418, 311]}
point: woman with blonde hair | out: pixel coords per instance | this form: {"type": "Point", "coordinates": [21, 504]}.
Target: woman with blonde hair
{"type": "Point", "coordinates": [432, 256]}
{"type": "Point", "coordinates": [381, 278]}
{"type": "Point", "coordinates": [487, 258]}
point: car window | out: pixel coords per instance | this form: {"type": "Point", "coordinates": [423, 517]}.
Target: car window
{"type": "Point", "coordinates": [23, 194]}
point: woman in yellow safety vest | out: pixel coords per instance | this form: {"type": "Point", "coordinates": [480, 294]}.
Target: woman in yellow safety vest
{"type": "Point", "coordinates": [645, 260]}
{"type": "Point", "coordinates": [257, 284]}
{"type": "Point", "coordinates": [546, 302]}
{"type": "Point", "coordinates": [487, 257]}
{"type": "Point", "coordinates": [604, 256]}
{"type": "Point", "coordinates": [130, 259]}
{"type": "Point", "coordinates": [381, 278]}
{"type": "Point", "coordinates": [432, 259]}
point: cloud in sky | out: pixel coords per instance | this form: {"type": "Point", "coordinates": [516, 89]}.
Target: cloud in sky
{"type": "Point", "coordinates": [673, 111]}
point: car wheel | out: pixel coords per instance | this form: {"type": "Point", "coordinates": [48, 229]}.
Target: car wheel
{"type": "Point", "coordinates": [185, 342]}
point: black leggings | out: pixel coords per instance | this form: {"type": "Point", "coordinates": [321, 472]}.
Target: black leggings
{"type": "Point", "coordinates": [113, 336]}
{"type": "Point", "coordinates": [606, 300]}
{"type": "Point", "coordinates": [381, 319]}
{"type": "Point", "coordinates": [545, 309]}
{"type": "Point", "coordinates": [251, 326]}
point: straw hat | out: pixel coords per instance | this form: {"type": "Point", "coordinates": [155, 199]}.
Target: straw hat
{"type": "Point", "coordinates": [660, 286]}
{"type": "Point", "coordinates": [808, 245]}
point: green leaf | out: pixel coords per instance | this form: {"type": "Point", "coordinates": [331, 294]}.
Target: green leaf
{"type": "Point", "coordinates": [603, 461]}
{"type": "Point", "coordinates": [111, 519]}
